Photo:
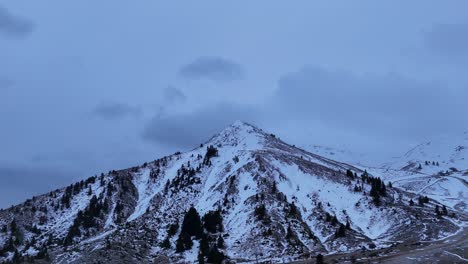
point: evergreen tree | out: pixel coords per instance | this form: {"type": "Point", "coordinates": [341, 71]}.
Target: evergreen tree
{"type": "Point", "coordinates": [348, 225]}
{"type": "Point", "coordinates": [437, 211]}
{"type": "Point", "coordinates": [172, 230]}
{"type": "Point", "coordinates": [166, 243]}
{"type": "Point", "coordinates": [215, 256]}
{"type": "Point", "coordinates": [341, 232]}
{"type": "Point", "coordinates": [220, 242]}
{"type": "Point", "coordinates": [444, 210]}
{"type": "Point", "coordinates": [201, 258]}
{"type": "Point", "coordinates": [204, 245]}
{"type": "Point", "coordinates": [411, 203]}
{"type": "Point", "coordinates": [16, 257]}
{"type": "Point", "coordinates": [334, 220]}
{"type": "Point", "coordinates": [293, 210]}
{"type": "Point", "coordinates": [192, 224]}
{"type": "Point", "coordinates": [260, 212]}
{"type": "Point", "coordinates": [319, 259]}
{"type": "Point", "coordinates": [184, 242]}
{"type": "Point", "coordinates": [383, 189]}
{"type": "Point", "coordinates": [420, 201]}
{"type": "Point", "coordinates": [213, 221]}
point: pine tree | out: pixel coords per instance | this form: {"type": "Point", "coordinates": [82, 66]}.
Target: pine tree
{"type": "Point", "coordinates": [437, 211]}
{"type": "Point", "coordinates": [260, 212]}
{"type": "Point", "coordinates": [444, 210]}
{"type": "Point", "coordinates": [334, 220]}
{"type": "Point", "coordinates": [16, 257]}
{"type": "Point", "coordinates": [341, 232]}
{"type": "Point", "coordinates": [420, 201]}
{"type": "Point", "coordinates": [192, 224]}
{"type": "Point", "coordinates": [215, 256]}
{"type": "Point", "coordinates": [411, 203]}
{"type": "Point", "coordinates": [220, 242]}
{"type": "Point", "coordinates": [213, 221]}
{"type": "Point", "coordinates": [166, 243]}
{"type": "Point", "coordinates": [184, 242]}
{"type": "Point", "coordinates": [319, 259]}
{"type": "Point", "coordinates": [204, 245]}
{"type": "Point", "coordinates": [348, 225]}
{"type": "Point", "coordinates": [172, 230]}
{"type": "Point", "coordinates": [200, 258]}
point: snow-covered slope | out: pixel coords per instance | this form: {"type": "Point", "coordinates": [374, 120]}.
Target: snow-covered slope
{"type": "Point", "coordinates": [436, 168]}
{"type": "Point", "coordinates": [270, 200]}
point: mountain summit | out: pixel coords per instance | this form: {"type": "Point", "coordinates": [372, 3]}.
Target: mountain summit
{"type": "Point", "coordinates": [244, 195]}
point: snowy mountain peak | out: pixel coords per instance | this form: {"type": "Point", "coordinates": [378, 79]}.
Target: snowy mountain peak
{"type": "Point", "coordinates": [240, 134]}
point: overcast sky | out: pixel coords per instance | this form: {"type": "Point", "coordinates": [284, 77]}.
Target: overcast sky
{"type": "Point", "coordinates": [89, 86]}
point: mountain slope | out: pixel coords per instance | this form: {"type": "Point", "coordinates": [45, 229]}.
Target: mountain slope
{"type": "Point", "coordinates": [436, 168]}
{"type": "Point", "coordinates": [258, 198]}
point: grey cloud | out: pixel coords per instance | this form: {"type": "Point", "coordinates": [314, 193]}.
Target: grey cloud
{"type": "Point", "coordinates": [191, 129]}
{"type": "Point", "coordinates": [212, 68]}
{"type": "Point", "coordinates": [13, 26]}
{"type": "Point", "coordinates": [448, 40]}
{"type": "Point", "coordinates": [18, 183]}
{"type": "Point", "coordinates": [385, 104]}
{"type": "Point", "coordinates": [173, 94]}
{"type": "Point", "coordinates": [116, 110]}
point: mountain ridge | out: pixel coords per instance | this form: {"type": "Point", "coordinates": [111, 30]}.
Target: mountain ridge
{"type": "Point", "coordinates": [275, 201]}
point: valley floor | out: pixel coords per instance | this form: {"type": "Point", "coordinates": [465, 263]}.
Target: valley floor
{"type": "Point", "coordinates": [453, 249]}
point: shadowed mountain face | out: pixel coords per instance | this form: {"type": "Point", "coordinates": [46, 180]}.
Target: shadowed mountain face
{"type": "Point", "coordinates": [243, 195]}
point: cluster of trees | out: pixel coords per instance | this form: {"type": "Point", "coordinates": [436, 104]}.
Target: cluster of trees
{"type": "Point", "coordinates": [434, 163]}
{"type": "Point", "coordinates": [211, 241]}
{"type": "Point", "coordinates": [423, 200]}
{"type": "Point", "coordinates": [75, 189]}
{"type": "Point", "coordinates": [357, 188]}
{"type": "Point", "coordinates": [260, 212]}
{"type": "Point", "coordinates": [293, 211]}
{"type": "Point", "coordinates": [350, 174]}
{"type": "Point", "coordinates": [378, 189]}
{"type": "Point", "coordinates": [211, 152]}
{"type": "Point", "coordinates": [86, 219]}
{"type": "Point", "coordinates": [185, 177]}
{"type": "Point", "coordinates": [186, 172]}
{"type": "Point", "coordinates": [440, 213]}
{"type": "Point", "coordinates": [341, 231]}
{"type": "Point", "coordinates": [16, 239]}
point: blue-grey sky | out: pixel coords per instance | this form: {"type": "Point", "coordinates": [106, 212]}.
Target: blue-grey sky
{"type": "Point", "coordinates": [89, 86]}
